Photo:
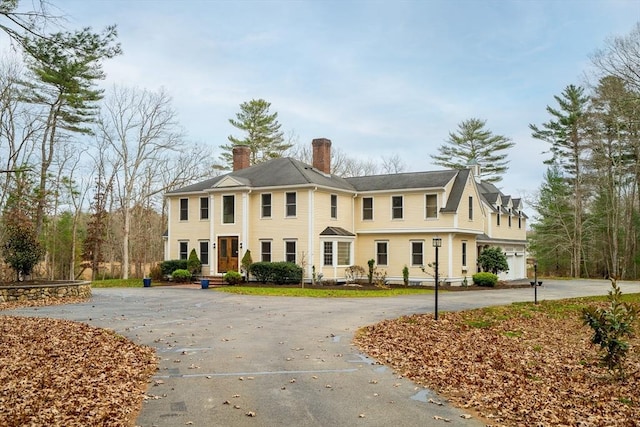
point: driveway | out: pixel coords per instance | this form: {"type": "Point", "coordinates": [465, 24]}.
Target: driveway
{"type": "Point", "coordinates": [232, 360]}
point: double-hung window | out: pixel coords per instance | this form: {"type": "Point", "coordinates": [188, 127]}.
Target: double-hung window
{"type": "Point", "coordinates": [290, 200]}
{"type": "Point", "coordinates": [417, 253]}
{"type": "Point", "coordinates": [290, 250]}
{"type": "Point", "coordinates": [265, 250]}
{"type": "Point", "coordinates": [184, 250]}
{"type": "Point", "coordinates": [228, 209]}
{"type": "Point", "coordinates": [204, 252]}
{"type": "Point", "coordinates": [184, 209]}
{"type": "Point", "coordinates": [431, 204]}
{"type": "Point", "coordinates": [464, 254]}
{"type": "Point", "coordinates": [471, 208]}
{"type": "Point", "coordinates": [382, 253]}
{"type": "Point", "coordinates": [204, 208]}
{"type": "Point", "coordinates": [367, 208]}
{"type": "Point", "coordinates": [344, 253]}
{"type": "Point", "coordinates": [396, 207]}
{"type": "Point", "coordinates": [266, 205]}
{"type": "Point", "coordinates": [334, 206]}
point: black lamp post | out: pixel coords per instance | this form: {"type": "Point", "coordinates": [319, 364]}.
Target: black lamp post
{"type": "Point", "coordinates": [535, 282]}
{"type": "Point", "coordinates": [437, 243]}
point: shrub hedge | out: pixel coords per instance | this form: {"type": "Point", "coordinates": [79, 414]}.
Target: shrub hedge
{"type": "Point", "coordinates": [276, 272]}
{"type": "Point", "coordinates": [485, 279]}
{"type": "Point", "coordinates": [169, 266]}
{"type": "Point", "coordinates": [181, 275]}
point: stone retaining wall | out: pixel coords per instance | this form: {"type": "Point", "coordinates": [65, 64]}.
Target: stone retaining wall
{"type": "Point", "coordinates": [45, 290]}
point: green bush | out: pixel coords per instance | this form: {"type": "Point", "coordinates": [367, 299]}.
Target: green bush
{"type": "Point", "coordinates": [261, 271]}
{"type": "Point", "coordinates": [405, 275]}
{"type": "Point", "coordinates": [493, 260]}
{"type": "Point", "coordinates": [277, 272]}
{"type": "Point", "coordinates": [232, 277]}
{"type": "Point", "coordinates": [169, 266]}
{"type": "Point", "coordinates": [286, 272]}
{"type": "Point", "coordinates": [611, 327]}
{"type": "Point", "coordinates": [193, 263]}
{"type": "Point", "coordinates": [181, 275]}
{"type": "Point", "coordinates": [485, 279]}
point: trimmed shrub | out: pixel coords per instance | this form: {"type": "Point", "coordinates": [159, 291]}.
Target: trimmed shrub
{"type": "Point", "coordinates": [261, 271]}
{"type": "Point", "coordinates": [277, 272]}
{"type": "Point", "coordinates": [181, 275]}
{"type": "Point", "coordinates": [485, 279]}
{"type": "Point", "coordinates": [232, 277]}
{"type": "Point", "coordinates": [193, 263]}
{"type": "Point", "coordinates": [286, 272]}
{"type": "Point", "coordinates": [169, 266]}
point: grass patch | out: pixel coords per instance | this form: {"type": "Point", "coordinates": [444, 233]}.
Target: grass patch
{"type": "Point", "coordinates": [321, 293]}
{"type": "Point", "coordinates": [117, 283]}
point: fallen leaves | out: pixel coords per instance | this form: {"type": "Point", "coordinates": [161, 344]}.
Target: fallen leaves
{"type": "Point", "coordinates": [533, 369]}
{"type": "Point", "coordinates": [63, 373]}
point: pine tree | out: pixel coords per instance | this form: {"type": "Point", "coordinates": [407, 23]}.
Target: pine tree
{"type": "Point", "coordinates": [565, 132]}
{"type": "Point", "coordinates": [263, 134]}
{"type": "Point", "coordinates": [473, 141]}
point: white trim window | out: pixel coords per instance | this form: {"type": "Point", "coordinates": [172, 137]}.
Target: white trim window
{"type": "Point", "coordinates": [290, 250]}
{"type": "Point", "coordinates": [183, 249]}
{"type": "Point", "coordinates": [228, 209]}
{"type": "Point", "coordinates": [290, 204]}
{"type": "Point", "coordinates": [265, 210]}
{"type": "Point", "coordinates": [337, 253]}
{"type": "Point", "coordinates": [334, 206]}
{"type": "Point", "coordinates": [367, 208]}
{"type": "Point", "coordinates": [382, 252]}
{"type": "Point", "coordinates": [204, 208]}
{"type": "Point", "coordinates": [417, 252]}
{"type": "Point", "coordinates": [265, 250]}
{"type": "Point", "coordinates": [431, 206]}
{"type": "Point", "coordinates": [397, 203]}
{"type": "Point", "coordinates": [184, 209]}
{"type": "Point", "coordinates": [327, 253]}
{"type": "Point", "coordinates": [204, 252]}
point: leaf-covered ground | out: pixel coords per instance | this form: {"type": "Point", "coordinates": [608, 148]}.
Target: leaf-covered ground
{"type": "Point", "coordinates": [63, 373]}
{"type": "Point", "coordinates": [521, 365]}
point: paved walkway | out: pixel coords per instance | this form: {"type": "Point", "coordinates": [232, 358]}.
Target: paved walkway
{"type": "Point", "coordinates": [289, 361]}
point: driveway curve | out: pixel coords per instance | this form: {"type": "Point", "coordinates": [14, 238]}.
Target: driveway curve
{"type": "Point", "coordinates": [233, 360]}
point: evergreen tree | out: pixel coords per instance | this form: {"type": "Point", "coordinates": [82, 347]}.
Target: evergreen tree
{"type": "Point", "coordinates": [65, 67]}
{"type": "Point", "coordinates": [473, 141]}
{"type": "Point", "coordinates": [263, 134]}
{"type": "Point", "coordinates": [21, 248]}
{"type": "Point", "coordinates": [551, 234]}
{"type": "Point", "coordinates": [565, 132]}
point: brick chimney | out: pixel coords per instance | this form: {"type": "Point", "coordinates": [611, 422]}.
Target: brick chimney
{"type": "Point", "coordinates": [322, 154]}
{"type": "Point", "coordinates": [241, 157]}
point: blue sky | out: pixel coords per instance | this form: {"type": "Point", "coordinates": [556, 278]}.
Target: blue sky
{"type": "Point", "coordinates": [376, 77]}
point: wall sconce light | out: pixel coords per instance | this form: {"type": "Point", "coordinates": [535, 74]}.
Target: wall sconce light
{"type": "Point", "coordinates": [240, 245]}
{"type": "Point", "coordinates": [214, 245]}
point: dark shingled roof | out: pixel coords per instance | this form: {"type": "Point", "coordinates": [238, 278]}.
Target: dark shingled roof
{"type": "Point", "coordinates": [283, 171]}
{"type": "Point", "coordinates": [456, 191]}
{"type": "Point", "coordinates": [402, 181]}
{"type": "Point", "coordinates": [336, 231]}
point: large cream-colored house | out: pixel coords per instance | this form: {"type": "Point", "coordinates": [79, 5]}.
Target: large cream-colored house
{"type": "Point", "coordinates": [286, 210]}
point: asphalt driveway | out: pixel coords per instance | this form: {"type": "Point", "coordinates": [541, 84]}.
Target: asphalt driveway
{"type": "Point", "coordinates": [231, 360]}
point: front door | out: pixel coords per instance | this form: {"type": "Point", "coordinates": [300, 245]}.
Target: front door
{"type": "Point", "coordinates": [227, 254]}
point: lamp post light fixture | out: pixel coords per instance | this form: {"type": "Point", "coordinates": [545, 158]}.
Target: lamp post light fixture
{"type": "Point", "coordinates": [437, 243]}
{"type": "Point", "coordinates": [535, 282]}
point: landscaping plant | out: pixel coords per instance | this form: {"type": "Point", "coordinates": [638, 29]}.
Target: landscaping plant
{"type": "Point", "coordinates": [611, 328]}
{"type": "Point", "coordinates": [493, 260]}
{"type": "Point", "coordinates": [485, 279]}
{"type": "Point", "coordinates": [193, 263]}
{"type": "Point", "coordinates": [232, 277]}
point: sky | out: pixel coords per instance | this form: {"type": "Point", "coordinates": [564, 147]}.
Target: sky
{"type": "Point", "coordinates": [377, 78]}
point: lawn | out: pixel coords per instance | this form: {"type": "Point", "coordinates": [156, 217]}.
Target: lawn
{"type": "Point", "coordinates": [321, 293]}
{"type": "Point", "coordinates": [517, 365]}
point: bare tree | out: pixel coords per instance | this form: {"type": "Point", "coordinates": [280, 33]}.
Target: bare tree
{"type": "Point", "coordinates": [393, 164]}
{"type": "Point", "coordinates": [147, 152]}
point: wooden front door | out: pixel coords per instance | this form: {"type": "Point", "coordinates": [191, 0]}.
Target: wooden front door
{"type": "Point", "coordinates": [227, 254]}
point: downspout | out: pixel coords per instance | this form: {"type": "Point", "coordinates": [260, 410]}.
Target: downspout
{"type": "Point", "coordinates": [213, 262]}
{"type": "Point", "coordinates": [311, 240]}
